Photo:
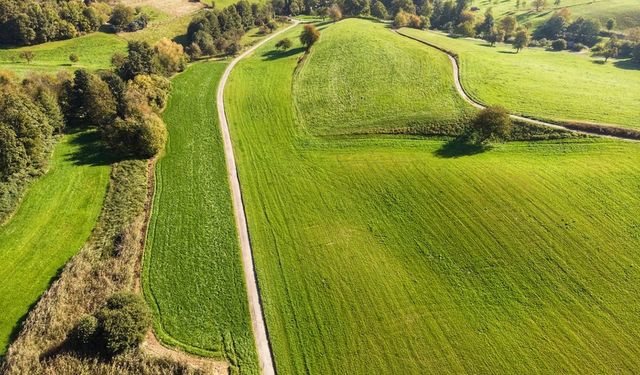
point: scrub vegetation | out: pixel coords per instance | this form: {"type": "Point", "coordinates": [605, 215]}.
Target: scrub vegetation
{"type": "Point", "coordinates": [389, 254]}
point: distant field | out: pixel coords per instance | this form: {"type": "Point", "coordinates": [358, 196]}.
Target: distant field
{"type": "Point", "coordinates": [625, 12]}
{"type": "Point", "coordinates": [192, 270]}
{"type": "Point", "coordinates": [545, 84]}
{"type": "Point", "coordinates": [53, 222]}
{"type": "Point", "coordinates": [389, 255]}
{"type": "Point", "coordinates": [363, 78]}
{"type": "Point", "coordinates": [94, 50]}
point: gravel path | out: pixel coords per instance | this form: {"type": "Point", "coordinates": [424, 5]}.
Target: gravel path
{"type": "Point", "coordinates": [255, 305]}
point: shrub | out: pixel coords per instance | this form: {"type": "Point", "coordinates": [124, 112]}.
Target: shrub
{"type": "Point", "coordinates": [84, 333]}
{"type": "Point", "coordinates": [577, 47]}
{"type": "Point", "coordinates": [401, 19]}
{"type": "Point", "coordinates": [122, 323]}
{"type": "Point", "coordinates": [335, 13]}
{"type": "Point", "coordinates": [491, 124]}
{"type": "Point", "coordinates": [309, 35]}
{"type": "Point", "coordinates": [74, 58]}
{"type": "Point", "coordinates": [121, 16]}
{"type": "Point", "coordinates": [559, 44]}
{"type": "Point", "coordinates": [283, 44]}
{"type": "Point", "coordinates": [170, 57]}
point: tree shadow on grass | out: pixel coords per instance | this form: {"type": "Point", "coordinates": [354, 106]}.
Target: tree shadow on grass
{"type": "Point", "coordinates": [627, 64]}
{"type": "Point", "coordinates": [277, 54]}
{"type": "Point", "coordinates": [460, 147]}
{"type": "Point", "coordinates": [90, 149]}
{"type": "Point", "coordinates": [508, 52]}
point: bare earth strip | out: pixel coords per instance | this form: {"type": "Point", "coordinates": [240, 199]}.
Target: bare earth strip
{"type": "Point", "coordinates": [466, 97]}
{"type": "Point", "coordinates": [259, 329]}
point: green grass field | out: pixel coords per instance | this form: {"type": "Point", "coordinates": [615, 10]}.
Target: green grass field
{"type": "Point", "coordinates": [545, 84]}
{"type": "Point", "coordinates": [94, 50]}
{"type": "Point", "coordinates": [386, 254]}
{"type": "Point", "coordinates": [396, 88]}
{"type": "Point", "coordinates": [625, 12]}
{"type": "Point", "coordinates": [54, 220]}
{"type": "Point", "coordinates": [193, 272]}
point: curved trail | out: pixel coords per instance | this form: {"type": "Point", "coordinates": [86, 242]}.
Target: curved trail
{"type": "Point", "coordinates": [468, 99]}
{"type": "Point", "coordinates": [255, 307]}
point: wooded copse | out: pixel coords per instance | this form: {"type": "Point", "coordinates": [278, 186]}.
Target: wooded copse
{"type": "Point", "coordinates": [32, 22]}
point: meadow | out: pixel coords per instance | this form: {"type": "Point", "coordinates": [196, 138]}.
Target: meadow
{"type": "Point", "coordinates": [544, 84]}
{"type": "Point", "coordinates": [625, 12]}
{"type": "Point", "coordinates": [52, 223]}
{"type": "Point", "coordinates": [397, 89]}
{"type": "Point", "coordinates": [399, 254]}
{"type": "Point", "coordinates": [193, 274]}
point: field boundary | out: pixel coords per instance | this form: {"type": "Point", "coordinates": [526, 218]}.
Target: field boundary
{"type": "Point", "coordinates": [601, 130]}
{"type": "Point", "coordinates": [263, 346]}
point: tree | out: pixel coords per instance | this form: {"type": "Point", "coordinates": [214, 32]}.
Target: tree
{"type": "Point", "coordinates": [378, 10]}
{"type": "Point", "coordinates": [491, 124]}
{"type": "Point", "coordinates": [494, 36]}
{"type": "Point", "coordinates": [487, 24]}
{"type": "Point", "coordinates": [335, 13]}
{"type": "Point", "coordinates": [91, 102]}
{"type": "Point", "coordinates": [559, 45]}
{"type": "Point", "coordinates": [74, 58]}
{"type": "Point", "coordinates": [557, 2]}
{"type": "Point", "coordinates": [283, 44]}
{"type": "Point", "coordinates": [633, 34]}
{"type": "Point", "coordinates": [508, 25]}
{"type": "Point", "coordinates": [28, 56]}
{"type": "Point", "coordinates": [539, 4]}
{"type": "Point", "coordinates": [401, 19]}
{"type": "Point", "coordinates": [553, 28]}
{"type": "Point", "coordinates": [170, 58]}
{"type": "Point", "coordinates": [610, 49]}
{"type": "Point", "coordinates": [121, 16]}
{"type": "Point", "coordinates": [611, 24]}
{"type": "Point", "coordinates": [309, 36]}
{"type": "Point", "coordinates": [636, 54]}
{"type": "Point", "coordinates": [521, 40]}
{"type": "Point", "coordinates": [584, 31]}
{"type": "Point", "coordinates": [140, 60]}
{"type": "Point", "coordinates": [405, 5]}
{"type": "Point", "coordinates": [13, 157]}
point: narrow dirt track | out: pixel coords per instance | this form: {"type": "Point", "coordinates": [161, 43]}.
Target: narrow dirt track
{"type": "Point", "coordinates": [255, 305]}
{"type": "Point", "coordinates": [467, 98]}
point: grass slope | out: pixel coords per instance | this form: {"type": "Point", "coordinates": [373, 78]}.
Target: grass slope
{"type": "Point", "coordinates": [53, 221]}
{"type": "Point", "coordinates": [544, 84]}
{"type": "Point", "coordinates": [94, 50]}
{"type": "Point", "coordinates": [381, 255]}
{"type": "Point", "coordinates": [193, 272]}
{"type": "Point", "coordinates": [362, 78]}
{"type": "Point", "coordinates": [625, 12]}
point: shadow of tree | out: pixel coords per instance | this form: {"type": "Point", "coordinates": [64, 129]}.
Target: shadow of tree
{"type": "Point", "coordinates": [508, 52]}
{"type": "Point", "coordinates": [91, 150]}
{"type": "Point", "coordinates": [460, 147]}
{"type": "Point", "coordinates": [277, 54]}
{"type": "Point", "coordinates": [628, 64]}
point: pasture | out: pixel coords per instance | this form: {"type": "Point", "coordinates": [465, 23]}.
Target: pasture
{"type": "Point", "coordinates": [545, 84]}
{"type": "Point", "coordinates": [192, 269]}
{"type": "Point", "coordinates": [396, 89]}
{"type": "Point", "coordinates": [398, 254]}
{"type": "Point", "coordinates": [52, 223]}
{"type": "Point", "coordinates": [625, 12]}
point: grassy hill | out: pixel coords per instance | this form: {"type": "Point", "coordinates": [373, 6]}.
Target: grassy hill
{"type": "Point", "coordinates": [545, 84]}
{"type": "Point", "coordinates": [398, 255]}
{"type": "Point", "coordinates": [625, 12]}
{"type": "Point", "coordinates": [53, 222]}
{"type": "Point", "coordinates": [192, 270]}
{"type": "Point", "coordinates": [361, 78]}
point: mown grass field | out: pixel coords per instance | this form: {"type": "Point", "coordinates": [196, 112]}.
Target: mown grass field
{"type": "Point", "coordinates": [625, 12]}
{"type": "Point", "coordinates": [397, 88]}
{"type": "Point", "coordinates": [386, 254]}
{"type": "Point", "coordinates": [94, 50]}
{"type": "Point", "coordinates": [545, 84]}
{"type": "Point", "coordinates": [192, 270]}
{"type": "Point", "coordinates": [52, 223]}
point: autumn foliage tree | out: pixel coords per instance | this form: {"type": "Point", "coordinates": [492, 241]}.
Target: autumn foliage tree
{"type": "Point", "coordinates": [309, 36]}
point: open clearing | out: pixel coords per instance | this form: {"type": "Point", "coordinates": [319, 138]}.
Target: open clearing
{"type": "Point", "coordinates": [402, 255]}
{"type": "Point", "coordinates": [54, 220]}
{"type": "Point", "coordinates": [192, 270]}
{"type": "Point", "coordinates": [544, 84]}
{"type": "Point", "coordinates": [398, 88]}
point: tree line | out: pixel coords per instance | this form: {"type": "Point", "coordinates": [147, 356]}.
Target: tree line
{"type": "Point", "coordinates": [28, 22]}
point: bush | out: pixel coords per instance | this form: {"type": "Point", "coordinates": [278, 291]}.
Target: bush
{"type": "Point", "coordinates": [170, 57]}
{"type": "Point", "coordinates": [491, 124]}
{"type": "Point", "coordinates": [559, 45]}
{"type": "Point", "coordinates": [283, 44]}
{"type": "Point", "coordinates": [121, 16]}
{"type": "Point", "coordinates": [309, 35]}
{"type": "Point", "coordinates": [577, 47]}
{"type": "Point", "coordinates": [122, 323]}
{"type": "Point", "coordinates": [84, 333]}
{"type": "Point", "coordinates": [401, 19]}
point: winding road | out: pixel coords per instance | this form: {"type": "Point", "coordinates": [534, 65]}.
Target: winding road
{"type": "Point", "coordinates": [253, 291]}
{"type": "Point", "coordinates": [468, 99]}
